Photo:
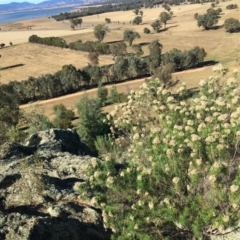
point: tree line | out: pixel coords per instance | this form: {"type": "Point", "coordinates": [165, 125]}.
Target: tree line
{"type": "Point", "coordinates": [98, 10]}
{"type": "Point", "coordinates": [50, 41]}
{"type": "Point", "coordinates": [69, 79]}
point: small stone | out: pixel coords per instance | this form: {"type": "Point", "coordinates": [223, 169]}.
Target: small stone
{"type": "Point", "coordinates": [54, 212]}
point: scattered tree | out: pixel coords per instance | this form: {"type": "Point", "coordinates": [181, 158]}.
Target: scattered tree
{"type": "Point", "coordinates": [164, 17]}
{"type": "Point", "coordinates": [2, 45]}
{"type": "Point", "coordinates": [232, 6]}
{"type": "Point", "coordinates": [156, 25]}
{"type": "Point", "coordinates": [232, 25]}
{"type": "Point", "coordinates": [164, 74]}
{"type": "Point", "coordinates": [214, 11]}
{"type": "Point", "coordinates": [118, 49]}
{"type": "Point", "coordinates": [93, 57]}
{"type": "Point", "coordinates": [138, 49]}
{"type": "Point", "coordinates": [63, 117]}
{"type": "Point", "coordinates": [10, 43]}
{"type": "Point", "coordinates": [166, 7]}
{"type": "Point", "coordinates": [137, 20]}
{"type": "Point", "coordinates": [75, 22]}
{"type": "Point", "coordinates": [100, 31]}
{"type": "Point", "coordinates": [207, 21]}
{"type": "Point", "coordinates": [141, 13]}
{"type": "Point", "coordinates": [195, 16]}
{"type": "Point", "coordinates": [107, 20]}
{"type": "Point", "coordinates": [155, 52]}
{"type": "Point", "coordinates": [136, 11]}
{"type": "Point", "coordinates": [130, 36]}
{"type": "Point", "coordinates": [102, 93]}
{"type": "Point", "coordinates": [146, 30]}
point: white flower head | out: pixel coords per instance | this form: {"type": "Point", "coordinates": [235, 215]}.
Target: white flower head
{"type": "Point", "coordinates": [96, 174]}
{"type": "Point", "coordinates": [136, 226]}
{"type": "Point", "coordinates": [199, 161]}
{"type": "Point", "coordinates": [166, 200]}
{"type": "Point", "coordinates": [170, 99]}
{"type": "Point", "coordinates": [156, 141]}
{"type": "Point", "coordinates": [212, 178]}
{"type": "Point", "coordinates": [202, 83]}
{"type": "Point", "coordinates": [175, 180]}
{"type": "Point", "coordinates": [94, 162]}
{"type": "Point", "coordinates": [234, 188]}
{"type": "Point", "coordinates": [150, 205]}
{"type": "Point", "coordinates": [226, 218]}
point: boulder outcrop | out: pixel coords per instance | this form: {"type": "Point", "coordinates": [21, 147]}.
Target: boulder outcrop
{"type": "Point", "coordinates": [39, 189]}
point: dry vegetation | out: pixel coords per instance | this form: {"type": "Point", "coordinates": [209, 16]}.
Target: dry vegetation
{"type": "Point", "coordinates": [182, 33]}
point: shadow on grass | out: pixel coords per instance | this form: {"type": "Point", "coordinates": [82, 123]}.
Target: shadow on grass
{"type": "Point", "coordinates": [165, 29]}
{"type": "Point", "coordinates": [12, 66]}
{"type": "Point", "coordinates": [144, 43]}
{"type": "Point", "coordinates": [217, 27]}
{"type": "Point", "coordinates": [200, 65]}
{"type": "Point", "coordinates": [118, 41]}
{"type": "Point", "coordinates": [207, 63]}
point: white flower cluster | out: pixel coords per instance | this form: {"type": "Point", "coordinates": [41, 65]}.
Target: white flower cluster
{"type": "Point", "coordinates": [188, 142]}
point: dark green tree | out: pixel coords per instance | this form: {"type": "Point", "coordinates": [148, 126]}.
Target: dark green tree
{"type": "Point", "coordinates": [138, 49]}
{"type": "Point", "coordinates": [232, 6]}
{"type": "Point", "coordinates": [207, 21]}
{"type": "Point", "coordinates": [93, 57]}
{"type": "Point", "coordinates": [114, 95]}
{"type": "Point", "coordinates": [107, 20]}
{"type": "Point", "coordinates": [146, 30]}
{"type": "Point", "coordinates": [136, 11]}
{"type": "Point", "coordinates": [130, 35]}
{"type": "Point", "coordinates": [155, 51]}
{"type": "Point", "coordinates": [63, 117]}
{"type": "Point", "coordinates": [120, 68]}
{"type": "Point", "coordinates": [156, 25]}
{"type": "Point", "coordinates": [166, 7]}
{"type": "Point", "coordinates": [9, 110]}
{"type": "Point", "coordinates": [102, 93]}
{"type": "Point", "coordinates": [91, 121]}
{"type": "Point", "coordinates": [164, 17]}
{"type": "Point", "coordinates": [118, 49]}
{"type": "Point", "coordinates": [232, 25]}
{"type": "Point", "coordinates": [75, 22]}
{"type": "Point", "coordinates": [100, 31]}
{"type": "Point", "coordinates": [137, 20]}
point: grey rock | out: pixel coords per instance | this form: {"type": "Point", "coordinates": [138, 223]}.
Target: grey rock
{"type": "Point", "coordinates": [9, 150]}
{"type": "Point", "coordinates": [39, 190]}
{"type": "Point", "coordinates": [58, 140]}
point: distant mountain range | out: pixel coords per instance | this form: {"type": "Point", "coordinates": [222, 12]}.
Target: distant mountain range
{"type": "Point", "coordinates": [14, 6]}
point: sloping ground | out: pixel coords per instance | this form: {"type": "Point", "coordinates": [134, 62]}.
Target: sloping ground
{"type": "Point", "coordinates": [39, 188]}
{"type": "Point", "coordinates": [35, 60]}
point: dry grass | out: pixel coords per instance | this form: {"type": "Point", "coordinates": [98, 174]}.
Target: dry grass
{"type": "Point", "coordinates": [182, 33]}
{"type": "Point", "coordinates": [37, 60]}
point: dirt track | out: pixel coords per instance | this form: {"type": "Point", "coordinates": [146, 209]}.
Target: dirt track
{"type": "Point", "coordinates": [70, 100]}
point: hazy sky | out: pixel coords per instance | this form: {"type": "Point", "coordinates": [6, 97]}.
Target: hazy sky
{"type": "Point", "coordinates": [31, 1]}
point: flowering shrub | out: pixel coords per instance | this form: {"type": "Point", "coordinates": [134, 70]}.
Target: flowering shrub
{"type": "Point", "coordinates": [177, 176]}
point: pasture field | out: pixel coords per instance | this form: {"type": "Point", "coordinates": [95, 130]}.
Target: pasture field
{"type": "Point", "coordinates": [181, 32]}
